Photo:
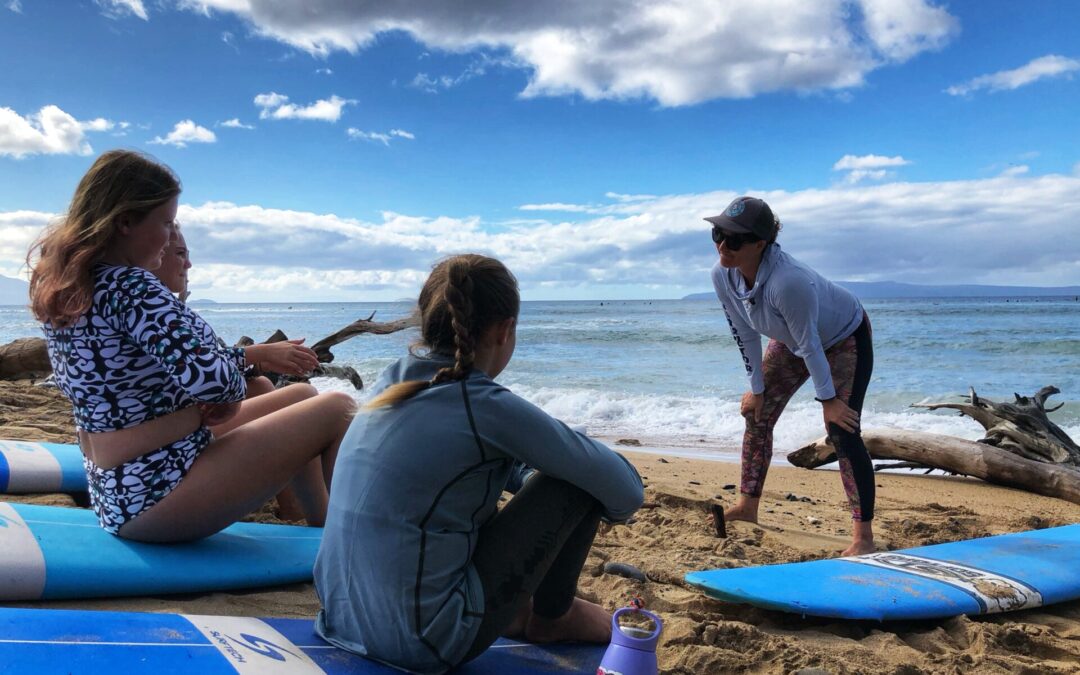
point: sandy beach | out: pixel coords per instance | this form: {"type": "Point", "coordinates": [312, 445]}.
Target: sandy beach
{"type": "Point", "coordinates": [804, 517]}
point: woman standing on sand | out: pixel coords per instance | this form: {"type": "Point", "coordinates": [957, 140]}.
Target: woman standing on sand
{"type": "Point", "coordinates": [147, 378]}
{"type": "Point", "coordinates": [418, 568]}
{"type": "Point", "coordinates": [818, 330]}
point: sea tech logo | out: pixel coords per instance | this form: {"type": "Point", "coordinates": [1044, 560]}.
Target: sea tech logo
{"type": "Point", "coordinates": [254, 643]}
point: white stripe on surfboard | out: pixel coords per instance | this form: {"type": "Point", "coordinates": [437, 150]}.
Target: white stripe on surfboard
{"type": "Point", "coordinates": [22, 564]}
{"type": "Point", "coordinates": [252, 646]}
{"type": "Point", "coordinates": [993, 592]}
{"type": "Point", "coordinates": [87, 643]}
{"type": "Point", "coordinates": [32, 467]}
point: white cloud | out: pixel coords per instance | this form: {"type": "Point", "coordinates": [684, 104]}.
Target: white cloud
{"type": "Point", "coordinates": [1035, 70]}
{"type": "Point", "coordinates": [235, 123]}
{"type": "Point", "coordinates": [901, 29]}
{"type": "Point", "coordinates": [619, 197]}
{"type": "Point", "coordinates": [898, 231]}
{"type": "Point", "coordinates": [557, 206]}
{"type": "Point", "coordinates": [277, 107]}
{"type": "Point", "coordinates": [872, 167]}
{"type": "Point", "coordinates": [323, 71]}
{"type": "Point", "coordinates": [677, 52]}
{"type": "Point", "coordinates": [477, 68]}
{"type": "Point", "coordinates": [848, 162]}
{"type": "Point", "coordinates": [186, 131]}
{"type": "Point", "coordinates": [271, 100]}
{"type": "Point", "coordinates": [115, 9]}
{"type": "Point", "coordinates": [99, 124]}
{"type": "Point", "coordinates": [378, 137]}
{"type": "Point", "coordinates": [1018, 170]}
{"type": "Point", "coordinates": [50, 131]}
{"type": "Point", "coordinates": [15, 6]}
{"type": "Point", "coordinates": [228, 38]}
{"type": "Point", "coordinates": [18, 229]}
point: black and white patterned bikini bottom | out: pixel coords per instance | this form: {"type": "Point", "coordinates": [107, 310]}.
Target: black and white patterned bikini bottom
{"type": "Point", "coordinates": [121, 493]}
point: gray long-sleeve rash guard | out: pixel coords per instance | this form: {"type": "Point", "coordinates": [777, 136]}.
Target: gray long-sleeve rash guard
{"type": "Point", "coordinates": [413, 484]}
{"type": "Point", "coordinates": [793, 304]}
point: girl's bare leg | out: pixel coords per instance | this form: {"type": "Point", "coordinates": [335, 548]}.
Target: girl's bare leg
{"type": "Point", "coordinates": [253, 408]}
{"type": "Point", "coordinates": [308, 480]}
{"type": "Point", "coordinates": [257, 386]}
{"type": "Point", "coordinates": [238, 472]}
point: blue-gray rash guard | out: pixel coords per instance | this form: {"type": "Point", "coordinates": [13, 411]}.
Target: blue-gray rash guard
{"type": "Point", "coordinates": [412, 486]}
{"type": "Point", "coordinates": [793, 304]}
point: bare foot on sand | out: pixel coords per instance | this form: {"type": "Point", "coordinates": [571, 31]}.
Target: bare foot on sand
{"type": "Point", "coordinates": [583, 622]}
{"type": "Point", "coordinates": [863, 540]}
{"type": "Point", "coordinates": [859, 547]}
{"type": "Point", "coordinates": [746, 509]}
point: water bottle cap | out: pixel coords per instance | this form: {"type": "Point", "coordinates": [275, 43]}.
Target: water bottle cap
{"type": "Point", "coordinates": [632, 636]}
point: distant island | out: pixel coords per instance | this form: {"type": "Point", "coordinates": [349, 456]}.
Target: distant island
{"type": "Point", "coordinates": [14, 291]}
{"type": "Point", "coordinates": [896, 289]}
{"type": "Point", "coordinates": [203, 301]}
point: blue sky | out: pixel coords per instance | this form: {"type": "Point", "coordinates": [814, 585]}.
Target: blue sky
{"type": "Point", "coordinates": [335, 153]}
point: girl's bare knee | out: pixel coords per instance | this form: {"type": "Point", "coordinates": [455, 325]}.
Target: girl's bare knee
{"type": "Point", "coordinates": [257, 386]}
{"type": "Point", "coordinates": [339, 401]}
{"type": "Point", "coordinates": [301, 391]}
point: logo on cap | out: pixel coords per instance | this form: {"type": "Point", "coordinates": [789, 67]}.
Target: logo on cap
{"type": "Point", "coordinates": [735, 208]}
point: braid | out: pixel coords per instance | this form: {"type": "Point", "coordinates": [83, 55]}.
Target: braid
{"type": "Point", "coordinates": [458, 298]}
{"type": "Point", "coordinates": [464, 296]}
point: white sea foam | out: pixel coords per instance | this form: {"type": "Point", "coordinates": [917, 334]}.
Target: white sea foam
{"type": "Point", "coordinates": [689, 420]}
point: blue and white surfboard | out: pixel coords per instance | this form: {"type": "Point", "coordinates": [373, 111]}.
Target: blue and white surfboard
{"type": "Point", "coordinates": [46, 641]}
{"type": "Point", "coordinates": [51, 552]}
{"type": "Point", "coordinates": [27, 467]}
{"type": "Point", "coordinates": [979, 576]}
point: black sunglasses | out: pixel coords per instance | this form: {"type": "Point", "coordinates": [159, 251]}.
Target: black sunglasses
{"type": "Point", "coordinates": [733, 241]}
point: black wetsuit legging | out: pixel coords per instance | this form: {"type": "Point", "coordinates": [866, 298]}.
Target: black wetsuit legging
{"type": "Point", "coordinates": [851, 362]}
{"type": "Point", "coordinates": [534, 547]}
{"type": "Point", "coordinates": [849, 446]}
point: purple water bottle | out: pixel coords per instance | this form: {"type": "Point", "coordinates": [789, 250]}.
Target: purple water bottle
{"type": "Point", "coordinates": [632, 650]}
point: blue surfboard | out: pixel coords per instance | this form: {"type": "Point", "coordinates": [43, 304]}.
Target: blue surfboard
{"type": "Point", "coordinates": [51, 552]}
{"type": "Point", "coordinates": [27, 467]}
{"type": "Point", "coordinates": [979, 576]}
{"type": "Point", "coordinates": [43, 641]}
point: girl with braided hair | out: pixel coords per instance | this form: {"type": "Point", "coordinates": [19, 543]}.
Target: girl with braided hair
{"type": "Point", "coordinates": [418, 567]}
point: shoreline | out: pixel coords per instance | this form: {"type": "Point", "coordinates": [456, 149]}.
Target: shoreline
{"type": "Point", "coordinates": [672, 535]}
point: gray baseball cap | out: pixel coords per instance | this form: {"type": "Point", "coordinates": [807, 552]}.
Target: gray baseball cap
{"type": "Point", "coordinates": [747, 215]}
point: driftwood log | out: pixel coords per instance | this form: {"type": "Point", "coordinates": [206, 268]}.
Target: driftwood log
{"type": "Point", "coordinates": [956, 455]}
{"type": "Point", "coordinates": [28, 358]}
{"type": "Point", "coordinates": [1022, 447]}
{"type": "Point", "coordinates": [1021, 427]}
{"type": "Point", "coordinates": [325, 356]}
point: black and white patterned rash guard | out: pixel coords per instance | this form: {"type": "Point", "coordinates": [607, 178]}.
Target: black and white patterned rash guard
{"type": "Point", "coordinates": [139, 353]}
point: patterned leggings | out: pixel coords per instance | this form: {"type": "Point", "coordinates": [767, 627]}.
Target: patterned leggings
{"type": "Point", "coordinates": [851, 361]}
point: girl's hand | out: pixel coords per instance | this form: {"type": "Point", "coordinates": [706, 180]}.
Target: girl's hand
{"type": "Point", "coordinates": [752, 403]}
{"type": "Point", "coordinates": [835, 411]}
{"type": "Point", "coordinates": [214, 414]}
{"type": "Point", "coordinates": [288, 357]}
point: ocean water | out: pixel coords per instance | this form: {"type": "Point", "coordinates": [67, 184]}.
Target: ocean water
{"type": "Point", "coordinates": [667, 372]}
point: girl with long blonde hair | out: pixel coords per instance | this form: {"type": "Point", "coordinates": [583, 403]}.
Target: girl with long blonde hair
{"type": "Point", "coordinates": [147, 378]}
